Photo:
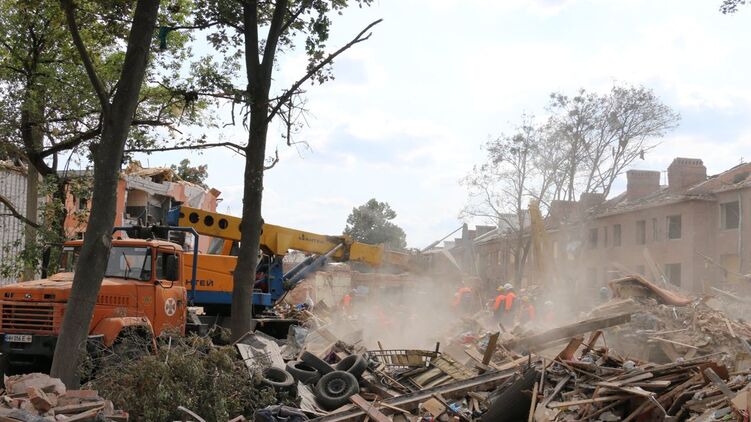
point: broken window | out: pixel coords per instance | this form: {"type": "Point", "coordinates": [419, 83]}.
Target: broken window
{"type": "Point", "coordinates": [641, 232]}
{"type": "Point", "coordinates": [674, 227]}
{"type": "Point", "coordinates": [616, 235]}
{"type": "Point", "coordinates": [592, 238]}
{"type": "Point", "coordinates": [729, 215]}
{"type": "Point", "coordinates": [673, 273]}
{"type": "Point", "coordinates": [83, 203]}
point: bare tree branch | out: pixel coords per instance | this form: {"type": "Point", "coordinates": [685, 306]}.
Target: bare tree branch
{"type": "Point", "coordinates": [14, 212]}
{"type": "Point", "coordinates": [99, 89]}
{"type": "Point", "coordinates": [231, 145]}
{"type": "Point", "coordinates": [293, 89]}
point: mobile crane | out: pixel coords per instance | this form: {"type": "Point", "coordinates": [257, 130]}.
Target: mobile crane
{"type": "Point", "coordinates": [212, 285]}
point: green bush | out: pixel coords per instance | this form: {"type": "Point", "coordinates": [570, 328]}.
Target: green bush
{"type": "Point", "coordinates": [212, 381]}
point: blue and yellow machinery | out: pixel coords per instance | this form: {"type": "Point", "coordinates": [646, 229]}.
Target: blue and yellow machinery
{"type": "Point", "coordinates": [212, 286]}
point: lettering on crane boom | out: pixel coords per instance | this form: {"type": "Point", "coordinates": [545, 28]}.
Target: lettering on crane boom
{"type": "Point", "coordinates": [202, 283]}
{"type": "Point", "coordinates": [311, 239]}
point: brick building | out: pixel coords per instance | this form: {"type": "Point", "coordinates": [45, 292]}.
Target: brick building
{"type": "Point", "coordinates": [693, 232]}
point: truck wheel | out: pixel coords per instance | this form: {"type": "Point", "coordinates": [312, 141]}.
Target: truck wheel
{"type": "Point", "coordinates": [354, 364]}
{"type": "Point", "coordinates": [303, 372]}
{"type": "Point", "coordinates": [277, 378]}
{"type": "Point", "coordinates": [335, 388]}
{"type": "Point", "coordinates": [316, 363]}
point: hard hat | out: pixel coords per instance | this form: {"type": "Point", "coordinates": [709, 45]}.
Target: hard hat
{"type": "Point", "coordinates": [508, 286]}
{"type": "Point", "coordinates": [525, 298]}
{"type": "Point", "coordinates": [500, 288]}
{"type": "Point", "coordinates": [604, 290]}
{"type": "Point", "coordinates": [548, 303]}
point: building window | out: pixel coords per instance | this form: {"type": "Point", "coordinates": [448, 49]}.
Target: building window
{"type": "Point", "coordinates": [83, 203]}
{"type": "Point", "coordinates": [641, 232]}
{"type": "Point", "coordinates": [730, 267]}
{"type": "Point", "coordinates": [592, 238]}
{"type": "Point", "coordinates": [729, 215]}
{"type": "Point", "coordinates": [674, 227]}
{"type": "Point", "coordinates": [640, 270]}
{"type": "Point", "coordinates": [655, 234]}
{"type": "Point", "coordinates": [605, 237]}
{"type": "Point", "coordinates": [617, 235]}
{"type": "Point", "coordinates": [673, 273]}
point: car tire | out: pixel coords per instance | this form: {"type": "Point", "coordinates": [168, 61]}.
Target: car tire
{"type": "Point", "coordinates": [277, 378]}
{"type": "Point", "coordinates": [316, 363]}
{"type": "Point", "coordinates": [354, 364]}
{"type": "Point", "coordinates": [335, 388]}
{"type": "Point", "coordinates": [303, 372]}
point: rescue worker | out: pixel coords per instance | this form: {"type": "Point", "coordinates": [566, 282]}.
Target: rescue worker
{"type": "Point", "coordinates": [527, 311]}
{"type": "Point", "coordinates": [461, 297]}
{"type": "Point", "coordinates": [604, 294]}
{"type": "Point", "coordinates": [499, 304]}
{"type": "Point", "coordinates": [548, 315]}
{"type": "Point", "coordinates": [347, 303]}
{"type": "Point", "coordinates": [508, 307]}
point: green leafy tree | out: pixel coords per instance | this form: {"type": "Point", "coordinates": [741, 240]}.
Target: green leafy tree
{"type": "Point", "coordinates": [40, 72]}
{"type": "Point", "coordinates": [371, 223]}
{"type": "Point", "coordinates": [196, 175]}
{"type": "Point", "coordinates": [116, 115]}
{"type": "Point", "coordinates": [255, 33]}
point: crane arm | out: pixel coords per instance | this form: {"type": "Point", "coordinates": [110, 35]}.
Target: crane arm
{"type": "Point", "coordinates": [278, 240]}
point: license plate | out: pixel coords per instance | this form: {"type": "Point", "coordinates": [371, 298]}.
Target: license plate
{"type": "Point", "coordinates": [18, 338]}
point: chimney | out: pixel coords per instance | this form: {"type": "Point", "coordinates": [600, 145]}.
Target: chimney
{"type": "Point", "coordinates": [561, 210]}
{"type": "Point", "coordinates": [588, 200]}
{"type": "Point", "coordinates": [641, 183]}
{"type": "Point", "coordinates": [686, 172]}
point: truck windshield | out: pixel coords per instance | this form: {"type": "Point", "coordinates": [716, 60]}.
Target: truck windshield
{"type": "Point", "coordinates": [129, 262]}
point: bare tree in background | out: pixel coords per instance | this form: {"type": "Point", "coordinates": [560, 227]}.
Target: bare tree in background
{"type": "Point", "coordinates": [501, 187]}
{"type": "Point", "coordinates": [731, 6]}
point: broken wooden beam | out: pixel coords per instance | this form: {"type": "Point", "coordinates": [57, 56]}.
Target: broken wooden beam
{"type": "Point", "coordinates": [567, 331]}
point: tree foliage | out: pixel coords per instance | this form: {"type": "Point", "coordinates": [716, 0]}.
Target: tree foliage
{"type": "Point", "coordinates": [731, 6]}
{"type": "Point", "coordinates": [584, 144]}
{"type": "Point", "coordinates": [250, 35]}
{"type": "Point", "coordinates": [372, 223]}
{"type": "Point", "coordinates": [193, 174]}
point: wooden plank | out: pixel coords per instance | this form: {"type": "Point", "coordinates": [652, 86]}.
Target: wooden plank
{"type": "Point", "coordinates": [556, 390]}
{"type": "Point", "coordinates": [677, 343]}
{"type": "Point", "coordinates": [533, 403]}
{"type": "Point", "coordinates": [369, 408]}
{"type": "Point", "coordinates": [568, 331]}
{"type": "Point", "coordinates": [556, 405]}
{"type": "Point", "coordinates": [492, 342]}
{"type": "Point", "coordinates": [716, 380]}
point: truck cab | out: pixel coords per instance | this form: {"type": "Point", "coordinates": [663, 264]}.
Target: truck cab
{"type": "Point", "coordinates": [141, 293]}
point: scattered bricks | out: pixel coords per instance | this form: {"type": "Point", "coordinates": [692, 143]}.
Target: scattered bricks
{"type": "Point", "coordinates": [17, 384]}
{"type": "Point", "coordinates": [118, 416]}
{"type": "Point", "coordinates": [39, 399]}
{"type": "Point", "coordinates": [78, 408]}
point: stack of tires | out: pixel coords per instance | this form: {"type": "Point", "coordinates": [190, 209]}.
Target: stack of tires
{"type": "Point", "coordinates": [333, 385]}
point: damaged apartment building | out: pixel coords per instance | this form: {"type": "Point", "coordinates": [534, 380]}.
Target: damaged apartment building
{"type": "Point", "coordinates": [692, 232]}
{"type": "Point", "coordinates": [144, 196]}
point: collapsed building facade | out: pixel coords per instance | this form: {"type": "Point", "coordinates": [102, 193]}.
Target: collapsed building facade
{"type": "Point", "coordinates": [690, 231]}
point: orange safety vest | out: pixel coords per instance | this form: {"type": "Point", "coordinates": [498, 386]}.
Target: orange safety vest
{"type": "Point", "coordinates": [510, 296]}
{"type": "Point", "coordinates": [346, 300]}
{"type": "Point", "coordinates": [459, 295]}
{"type": "Point", "coordinates": [498, 300]}
{"type": "Point", "coordinates": [530, 309]}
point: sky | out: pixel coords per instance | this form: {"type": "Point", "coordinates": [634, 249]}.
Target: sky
{"type": "Point", "coordinates": [407, 115]}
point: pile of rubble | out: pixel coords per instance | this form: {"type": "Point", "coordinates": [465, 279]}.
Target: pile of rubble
{"type": "Point", "coordinates": [666, 326]}
{"type": "Point", "coordinates": [38, 397]}
{"type": "Point", "coordinates": [552, 375]}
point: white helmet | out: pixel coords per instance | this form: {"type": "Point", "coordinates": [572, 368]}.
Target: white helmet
{"type": "Point", "coordinates": [508, 286]}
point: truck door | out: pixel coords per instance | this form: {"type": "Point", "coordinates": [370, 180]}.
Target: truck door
{"type": "Point", "coordinates": [169, 294]}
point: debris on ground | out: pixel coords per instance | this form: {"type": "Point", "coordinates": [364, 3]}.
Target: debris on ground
{"type": "Point", "coordinates": [39, 397]}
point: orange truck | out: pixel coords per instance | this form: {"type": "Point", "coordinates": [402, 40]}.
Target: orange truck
{"type": "Point", "coordinates": [142, 294]}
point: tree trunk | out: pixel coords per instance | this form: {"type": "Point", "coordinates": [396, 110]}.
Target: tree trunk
{"type": "Point", "coordinates": [250, 232]}
{"type": "Point", "coordinates": [116, 121]}
{"type": "Point", "coordinates": [32, 211]}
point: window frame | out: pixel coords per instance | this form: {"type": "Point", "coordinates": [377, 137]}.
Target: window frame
{"type": "Point", "coordinates": [668, 220]}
